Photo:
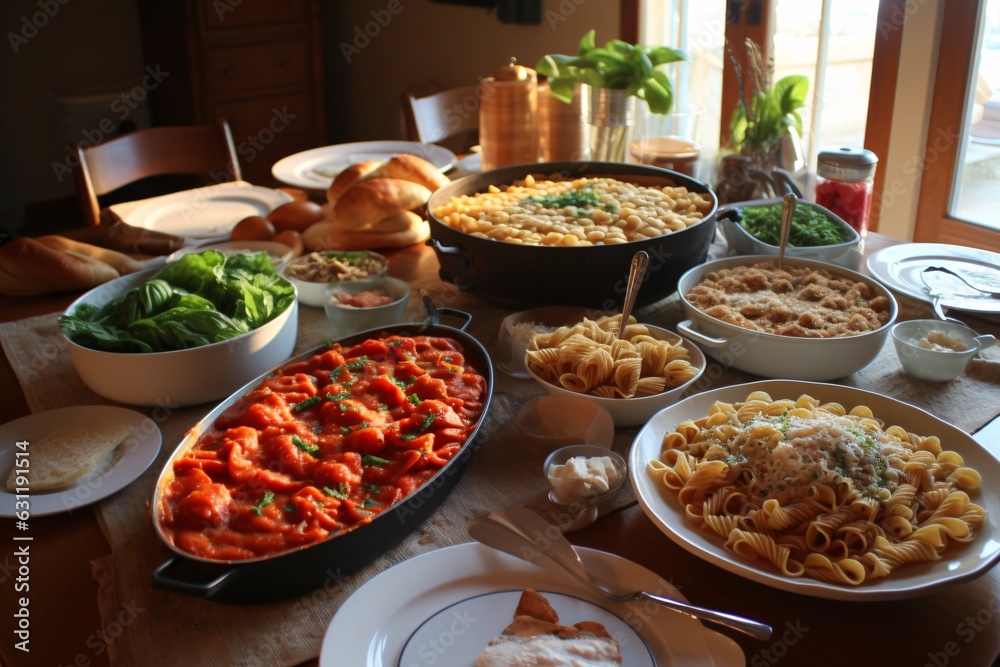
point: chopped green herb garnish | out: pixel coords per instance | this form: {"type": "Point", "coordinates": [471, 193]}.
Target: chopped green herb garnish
{"type": "Point", "coordinates": [268, 498]}
{"type": "Point", "coordinates": [308, 448]}
{"type": "Point", "coordinates": [394, 343]}
{"type": "Point", "coordinates": [382, 407]}
{"type": "Point", "coordinates": [312, 400]}
{"type": "Point", "coordinates": [358, 363]}
{"type": "Point", "coordinates": [374, 489]}
{"type": "Point", "coordinates": [368, 503]}
{"type": "Point", "coordinates": [399, 383]}
{"type": "Point", "coordinates": [372, 460]}
{"type": "Point", "coordinates": [338, 397]}
{"type": "Point", "coordinates": [428, 420]}
{"type": "Point", "coordinates": [340, 493]}
{"type": "Point", "coordinates": [579, 199]}
{"type": "Point", "coordinates": [317, 430]}
{"type": "Point", "coordinates": [409, 436]}
{"type": "Point", "coordinates": [345, 385]}
{"type": "Point", "coordinates": [289, 507]}
{"type": "Point", "coordinates": [810, 226]}
{"type": "Point", "coordinates": [335, 373]}
{"type": "Point", "coordinates": [413, 398]}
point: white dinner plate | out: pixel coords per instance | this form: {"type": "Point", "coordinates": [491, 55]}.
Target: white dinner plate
{"type": "Point", "coordinates": [443, 607]}
{"type": "Point", "coordinates": [472, 163]}
{"type": "Point", "coordinates": [317, 167]}
{"type": "Point", "coordinates": [206, 212]}
{"type": "Point", "coordinates": [900, 268]}
{"type": "Point", "coordinates": [124, 466]}
{"type": "Point", "coordinates": [960, 561]}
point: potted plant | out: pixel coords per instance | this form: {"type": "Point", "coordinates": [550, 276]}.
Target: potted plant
{"type": "Point", "coordinates": [611, 77]}
{"type": "Point", "coordinates": [760, 128]}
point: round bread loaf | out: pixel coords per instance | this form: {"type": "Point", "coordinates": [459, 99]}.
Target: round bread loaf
{"type": "Point", "coordinates": [366, 203]}
{"type": "Point", "coordinates": [412, 168]}
{"type": "Point", "coordinates": [348, 177]}
{"type": "Point", "coordinates": [330, 236]}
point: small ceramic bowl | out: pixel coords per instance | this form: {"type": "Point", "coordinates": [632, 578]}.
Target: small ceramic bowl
{"type": "Point", "coordinates": [313, 292]}
{"type": "Point", "coordinates": [346, 320]}
{"type": "Point", "coordinates": [555, 421]}
{"type": "Point", "coordinates": [956, 346]}
{"type": "Point", "coordinates": [569, 488]}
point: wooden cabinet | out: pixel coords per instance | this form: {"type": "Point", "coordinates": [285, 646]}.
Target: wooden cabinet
{"type": "Point", "coordinates": [256, 63]}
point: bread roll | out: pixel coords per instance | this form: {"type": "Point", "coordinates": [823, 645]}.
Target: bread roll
{"type": "Point", "coordinates": [397, 223]}
{"type": "Point", "coordinates": [414, 169]}
{"type": "Point", "coordinates": [331, 236]}
{"type": "Point", "coordinates": [348, 177]}
{"type": "Point", "coordinates": [374, 199]}
{"type": "Point", "coordinates": [29, 267]}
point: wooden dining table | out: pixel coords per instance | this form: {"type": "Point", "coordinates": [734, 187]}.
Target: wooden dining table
{"type": "Point", "coordinates": [952, 625]}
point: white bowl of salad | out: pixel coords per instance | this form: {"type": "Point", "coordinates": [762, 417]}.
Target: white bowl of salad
{"type": "Point", "coordinates": [754, 227]}
{"type": "Point", "coordinates": [193, 331]}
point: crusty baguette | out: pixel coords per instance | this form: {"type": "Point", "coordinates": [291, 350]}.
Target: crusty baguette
{"type": "Point", "coordinates": [331, 236]}
{"type": "Point", "coordinates": [414, 169]}
{"type": "Point", "coordinates": [29, 267]}
{"type": "Point", "coordinates": [121, 262]}
{"type": "Point", "coordinates": [350, 176]}
{"type": "Point", "coordinates": [366, 203]}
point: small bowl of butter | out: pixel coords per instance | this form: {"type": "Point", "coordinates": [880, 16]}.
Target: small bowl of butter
{"type": "Point", "coordinates": [585, 475]}
{"type": "Point", "coordinates": [936, 351]}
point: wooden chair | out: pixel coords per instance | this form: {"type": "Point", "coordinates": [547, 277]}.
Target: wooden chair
{"type": "Point", "coordinates": [440, 116]}
{"type": "Point", "coordinates": [206, 150]}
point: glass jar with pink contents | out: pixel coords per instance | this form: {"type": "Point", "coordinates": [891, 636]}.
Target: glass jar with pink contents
{"type": "Point", "coordinates": [844, 181]}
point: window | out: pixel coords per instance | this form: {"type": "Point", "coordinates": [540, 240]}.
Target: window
{"type": "Point", "coordinates": [829, 41]}
{"type": "Point", "coordinates": [960, 186]}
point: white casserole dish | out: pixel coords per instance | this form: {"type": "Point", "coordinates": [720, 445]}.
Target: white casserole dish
{"type": "Point", "coordinates": [180, 377]}
{"type": "Point", "coordinates": [773, 356]}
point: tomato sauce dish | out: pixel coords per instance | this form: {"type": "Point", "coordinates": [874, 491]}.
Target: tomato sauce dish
{"type": "Point", "coordinates": [317, 464]}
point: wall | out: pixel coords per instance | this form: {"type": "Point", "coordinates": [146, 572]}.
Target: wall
{"type": "Point", "coordinates": [94, 46]}
{"type": "Point", "coordinates": [426, 43]}
{"type": "Point", "coordinates": [53, 46]}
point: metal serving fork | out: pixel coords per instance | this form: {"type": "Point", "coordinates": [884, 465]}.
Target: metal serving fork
{"type": "Point", "coordinates": [522, 533]}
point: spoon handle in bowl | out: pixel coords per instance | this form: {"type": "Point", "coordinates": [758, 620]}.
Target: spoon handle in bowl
{"type": "Point", "coordinates": [638, 270]}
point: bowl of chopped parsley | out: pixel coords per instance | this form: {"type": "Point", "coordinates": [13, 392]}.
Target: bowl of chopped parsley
{"type": "Point", "coordinates": [754, 227]}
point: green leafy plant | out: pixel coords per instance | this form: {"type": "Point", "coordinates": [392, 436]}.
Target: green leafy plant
{"type": "Point", "coordinates": [617, 65]}
{"type": "Point", "coordinates": [773, 110]}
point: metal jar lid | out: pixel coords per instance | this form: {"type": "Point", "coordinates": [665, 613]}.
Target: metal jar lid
{"type": "Point", "coordinates": [844, 163]}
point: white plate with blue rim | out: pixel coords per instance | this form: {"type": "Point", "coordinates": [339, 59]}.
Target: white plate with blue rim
{"type": "Point", "coordinates": [443, 608]}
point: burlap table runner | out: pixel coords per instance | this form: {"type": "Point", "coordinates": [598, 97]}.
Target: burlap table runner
{"type": "Point", "coordinates": [172, 628]}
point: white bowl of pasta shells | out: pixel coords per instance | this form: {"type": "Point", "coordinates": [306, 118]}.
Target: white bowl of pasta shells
{"type": "Point", "coordinates": [633, 375]}
{"type": "Point", "coordinates": [830, 537]}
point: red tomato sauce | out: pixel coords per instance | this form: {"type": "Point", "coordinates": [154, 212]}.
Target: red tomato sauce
{"type": "Point", "coordinates": [322, 447]}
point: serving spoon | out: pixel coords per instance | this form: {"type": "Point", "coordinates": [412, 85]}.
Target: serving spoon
{"type": "Point", "coordinates": [787, 213]}
{"type": "Point", "coordinates": [639, 262]}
